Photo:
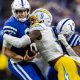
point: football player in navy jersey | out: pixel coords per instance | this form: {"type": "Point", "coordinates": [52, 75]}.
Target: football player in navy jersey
{"type": "Point", "coordinates": [17, 25]}
{"type": "Point", "coordinates": [69, 37]}
{"type": "Point", "coordinates": [66, 29]}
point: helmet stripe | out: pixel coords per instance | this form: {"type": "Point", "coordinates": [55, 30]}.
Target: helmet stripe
{"type": "Point", "coordinates": [63, 24]}
{"type": "Point", "coordinates": [71, 27]}
{"type": "Point", "coordinates": [22, 2]}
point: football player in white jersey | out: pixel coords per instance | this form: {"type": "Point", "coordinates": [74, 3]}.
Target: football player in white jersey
{"type": "Point", "coordinates": [65, 32]}
{"type": "Point", "coordinates": [50, 50]}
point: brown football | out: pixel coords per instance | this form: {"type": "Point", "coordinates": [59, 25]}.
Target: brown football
{"type": "Point", "coordinates": [31, 53]}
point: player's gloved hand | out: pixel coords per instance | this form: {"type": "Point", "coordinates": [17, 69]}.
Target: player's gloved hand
{"type": "Point", "coordinates": [34, 50]}
{"type": "Point", "coordinates": [33, 47]}
{"type": "Point", "coordinates": [63, 40]}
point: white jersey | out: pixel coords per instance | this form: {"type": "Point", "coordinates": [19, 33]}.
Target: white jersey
{"type": "Point", "coordinates": [47, 46]}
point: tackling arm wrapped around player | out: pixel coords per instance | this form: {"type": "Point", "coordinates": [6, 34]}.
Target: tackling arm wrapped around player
{"type": "Point", "coordinates": [70, 51]}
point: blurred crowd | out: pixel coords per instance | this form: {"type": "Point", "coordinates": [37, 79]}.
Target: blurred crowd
{"type": "Point", "coordinates": [59, 9]}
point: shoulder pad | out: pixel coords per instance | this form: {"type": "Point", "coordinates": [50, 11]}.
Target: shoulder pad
{"type": "Point", "coordinates": [38, 26]}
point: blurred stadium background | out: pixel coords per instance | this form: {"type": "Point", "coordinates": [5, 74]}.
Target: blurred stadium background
{"type": "Point", "coordinates": [59, 9]}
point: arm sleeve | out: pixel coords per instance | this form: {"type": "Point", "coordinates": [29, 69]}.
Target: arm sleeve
{"type": "Point", "coordinates": [5, 44]}
{"type": "Point", "coordinates": [17, 42]}
{"type": "Point", "coordinates": [9, 30]}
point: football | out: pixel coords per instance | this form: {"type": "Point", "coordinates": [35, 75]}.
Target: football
{"type": "Point", "coordinates": [30, 52]}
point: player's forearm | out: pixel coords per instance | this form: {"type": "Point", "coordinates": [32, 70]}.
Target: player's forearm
{"type": "Point", "coordinates": [77, 50]}
{"type": "Point", "coordinates": [70, 51]}
{"type": "Point", "coordinates": [17, 42]}
{"type": "Point", "coordinates": [13, 55]}
{"type": "Point", "coordinates": [17, 57]}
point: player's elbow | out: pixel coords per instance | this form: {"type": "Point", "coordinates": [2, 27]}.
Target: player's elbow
{"type": "Point", "coordinates": [18, 44]}
{"type": "Point", "coordinates": [6, 54]}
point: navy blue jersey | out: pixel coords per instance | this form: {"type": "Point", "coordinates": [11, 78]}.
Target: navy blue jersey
{"type": "Point", "coordinates": [17, 29]}
{"type": "Point", "coordinates": [23, 70]}
{"type": "Point", "coordinates": [74, 40]}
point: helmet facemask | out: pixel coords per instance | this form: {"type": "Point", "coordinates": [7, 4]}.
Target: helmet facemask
{"type": "Point", "coordinates": [17, 5]}
{"type": "Point", "coordinates": [43, 16]}
{"type": "Point", "coordinates": [66, 27]}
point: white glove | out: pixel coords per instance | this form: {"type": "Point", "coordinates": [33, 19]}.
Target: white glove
{"type": "Point", "coordinates": [34, 49]}
{"type": "Point", "coordinates": [63, 40]}
{"type": "Point", "coordinates": [33, 45]}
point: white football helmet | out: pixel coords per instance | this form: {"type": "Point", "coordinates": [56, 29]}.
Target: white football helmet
{"type": "Point", "coordinates": [20, 5]}
{"type": "Point", "coordinates": [66, 27]}
{"type": "Point", "coordinates": [43, 15]}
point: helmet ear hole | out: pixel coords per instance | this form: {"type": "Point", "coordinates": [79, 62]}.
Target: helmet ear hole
{"type": "Point", "coordinates": [27, 10]}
